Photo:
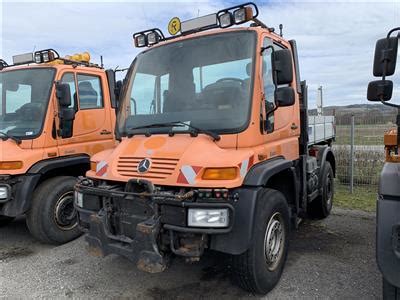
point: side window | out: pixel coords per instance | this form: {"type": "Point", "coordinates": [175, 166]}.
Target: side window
{"type": "Point", "coordinates": [268, 83]}
{"type": "Point", "coordinates": [90, 92]}
{"type": "Point", "coordinates": [69, 79]}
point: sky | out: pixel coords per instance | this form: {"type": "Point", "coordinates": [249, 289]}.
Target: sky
{"type": "Point", "coordinates": [335, 39]}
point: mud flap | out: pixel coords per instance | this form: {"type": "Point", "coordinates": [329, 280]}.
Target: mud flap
{"type": "Point", "coordinates": [142, 250]}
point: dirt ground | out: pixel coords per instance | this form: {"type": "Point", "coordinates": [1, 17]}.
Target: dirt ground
{"type": "Point", "coordinates": [333, 258]}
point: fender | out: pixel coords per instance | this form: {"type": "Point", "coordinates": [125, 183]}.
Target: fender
{"type": "Point", "coordinates": [238, 240]}
{"type": "Point", "coordinates": [25, 185]}
{"type": "Point", "coordinates": [47, 165]}
{"type": "Point", "coordinates": [260, 173]}
{"type": "Point", "coordinates": [322, 157]}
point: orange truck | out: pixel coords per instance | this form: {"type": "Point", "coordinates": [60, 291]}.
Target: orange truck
{"type": "Point", "coordinates": [55, 113]}
{"type": "Point", "coordinates": [217, 152]}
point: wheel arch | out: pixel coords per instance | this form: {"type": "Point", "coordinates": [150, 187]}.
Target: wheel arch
{"type": "Point", "coordinates": [38, 173]}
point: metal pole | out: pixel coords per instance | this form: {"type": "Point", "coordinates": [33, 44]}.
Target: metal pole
{"type": "Point", "coordinates": [352, 154]}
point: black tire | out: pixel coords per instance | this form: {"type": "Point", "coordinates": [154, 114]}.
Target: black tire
{"type": "Point", "coordinates": [52, 218]}
{"type": "Point", "coordinates": [321, 206]}
{"type": "Point", "coordinates": [4, 220]}
{"type": "Point", "coordinates": [390, 292]}
{"type": "Point", "coordinates": [253, 270]}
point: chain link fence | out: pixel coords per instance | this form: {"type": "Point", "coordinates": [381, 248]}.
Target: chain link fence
{"type": "Point", "coordinates": [363, 166]}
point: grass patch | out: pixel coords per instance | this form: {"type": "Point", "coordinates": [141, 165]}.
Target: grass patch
{"type": "Point", "coordinates": [363, 198]}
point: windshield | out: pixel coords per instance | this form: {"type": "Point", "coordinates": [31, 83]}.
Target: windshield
{"type": "Point", "coordinates": [204, 82]}
{"type": "Point", "coordinates": [24, 97]}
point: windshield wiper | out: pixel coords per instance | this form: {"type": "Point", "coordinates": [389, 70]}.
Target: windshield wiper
{"type": "Point", "coordinates": [6, 136]}
{"type": "Point", "coordinates": [197, 130]}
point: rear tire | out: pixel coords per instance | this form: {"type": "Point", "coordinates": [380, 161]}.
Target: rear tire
{"type": "Point", "coordinates": [259, 269]}
{"type": "Point", "coordinates": [321, 206]}
{"type": "Point", "coordinates": [52, 218]}
{"type": "Point", "coordinates": [4, 220]}
{"type": "Point", "coordinates": [390, 292]}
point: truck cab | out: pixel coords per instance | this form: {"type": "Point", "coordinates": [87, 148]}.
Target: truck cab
{"type": "Point", "coordinates": [215, 153]}
{"type": "Point", "coordinates": [388, 200]}
{"type": "Point", "coordinates": [55, 113]}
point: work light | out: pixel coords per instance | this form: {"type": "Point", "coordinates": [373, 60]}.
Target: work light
{"type": "Point", "coordinates": [140, 40]}
{"type": "Point", "coordinates": [242, 15]}
{"type": "Point", "coordinates": [225, 20]}
{"type": "Point", "coordinates": [152, 38]}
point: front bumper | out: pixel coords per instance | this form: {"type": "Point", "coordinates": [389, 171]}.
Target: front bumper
{"type": "Point", "coordinates": [145, 226]}
{"type": "Point", "coordinates": [19, 191]}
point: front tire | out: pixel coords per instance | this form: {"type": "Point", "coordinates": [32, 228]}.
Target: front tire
{"type": "Point", "coordinates": [4, 220]}
{"type": "Point", "coordinates": [390, 292]}
{"type": "Point", "coordinates": [259, 269]}
{"type": "Point", "coordinates": [52, 218]}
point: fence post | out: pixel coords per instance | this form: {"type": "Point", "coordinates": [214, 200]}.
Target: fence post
{"type": "Point", "coordinates": [352, 154]}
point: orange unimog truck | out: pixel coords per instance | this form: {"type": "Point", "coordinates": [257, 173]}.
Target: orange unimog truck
{"type": "Point", "coordinates": [55, 113]}
{"type": "Point", "coordinates": [218, 152]}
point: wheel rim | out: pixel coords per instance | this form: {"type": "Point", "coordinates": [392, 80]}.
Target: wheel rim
{"type": "Point", "coordinates": [274, 241]}
{"type": "Point", "coordinates": [329, 191]}
{"type": "Point", "coordinates": [65, 215]}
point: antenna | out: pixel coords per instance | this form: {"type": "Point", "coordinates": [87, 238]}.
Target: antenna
{"type": "Point", "coordinates": [280, 30]}
{"type": "Point", "coordinates": [101, 61]}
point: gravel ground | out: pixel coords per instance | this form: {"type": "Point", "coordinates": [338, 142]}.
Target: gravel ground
{"type": "Point", "coordinates": [333, 258]}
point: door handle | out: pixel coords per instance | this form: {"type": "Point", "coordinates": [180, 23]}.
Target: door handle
{"type": "Point", "coordinates": [294, 126]}
{"type": "Point", "coordinates": [105, 132]}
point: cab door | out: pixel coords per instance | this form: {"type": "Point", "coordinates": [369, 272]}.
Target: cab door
{"type": "Point", "coordinates": [283, 116]}
{"type": "Point", "coordinates": [92, 130]}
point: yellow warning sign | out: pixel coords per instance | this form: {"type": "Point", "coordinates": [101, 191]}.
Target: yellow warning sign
{"type": "Point", "coordinates": [174, 26]}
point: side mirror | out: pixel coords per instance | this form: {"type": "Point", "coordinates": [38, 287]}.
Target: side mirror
{"type": "Point", "coordinates": [385, 49]}
{"type": "Point", "coordinates": [380, 90]}
{"type": "Point", "coordinates": [67, 114]}
{"type": "Point", "coordinates": [63, 94]}
{"type": "Point", "coordinates": [283, 65]}
{"type": "Point", "coordinates": [284, 96]}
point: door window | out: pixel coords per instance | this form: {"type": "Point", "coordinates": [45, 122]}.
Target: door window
{"type": "Point", "coordinates": [69, 79]}
{"type": "Point", "coordinates": [90, 92]}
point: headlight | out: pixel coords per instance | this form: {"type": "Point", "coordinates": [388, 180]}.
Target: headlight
{"type": "Point", "coordinates": [3, 193]}
{"type": "Point", "coordinates": [200, 217]}
{"type": "Point", "coordinates": [79, 199]}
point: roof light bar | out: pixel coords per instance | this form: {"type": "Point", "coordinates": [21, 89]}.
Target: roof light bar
{"type": "Point", "coordinates": [238, 14]}
{"type": "Point", "coordinates": [227, 17]}
{"type": "Point", "coordinates": [3, 64]}
{"type": "Point", "coordinates": [148, 37]}
{"type": "Point", "coordinates": [45, 56]}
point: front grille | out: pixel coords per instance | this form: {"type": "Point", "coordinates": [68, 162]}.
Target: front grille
{"type": "Point", "coordinates": [160, 168]}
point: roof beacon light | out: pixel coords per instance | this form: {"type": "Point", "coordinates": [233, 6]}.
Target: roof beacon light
{"type": "Point", "coordinates": [79, 57]}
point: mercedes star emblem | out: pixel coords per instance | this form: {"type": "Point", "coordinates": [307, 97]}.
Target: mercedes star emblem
{"type": "Point", "coordinates": [144, 165]}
